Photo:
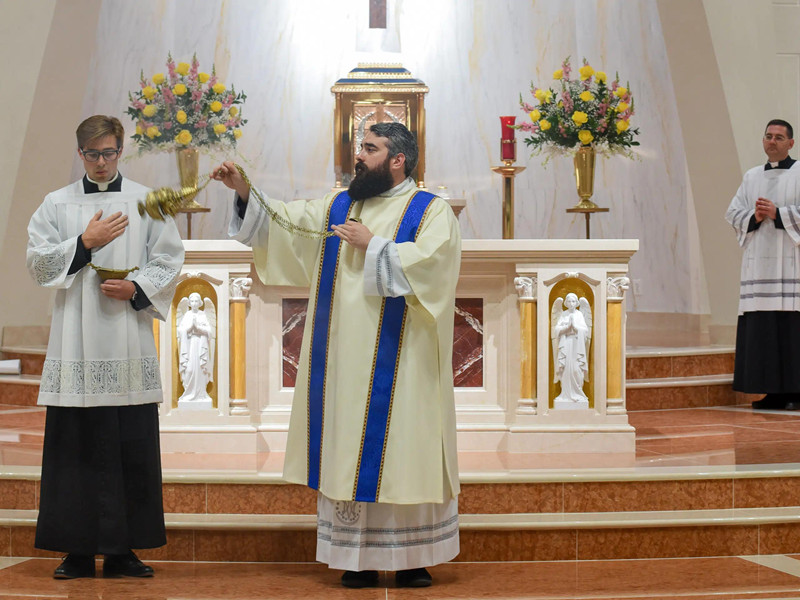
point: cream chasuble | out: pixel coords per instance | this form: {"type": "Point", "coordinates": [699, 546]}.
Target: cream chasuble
{"type": "Point", "coordinates": [419, 462]}
{"type": "Point", "coordinates": [101, 351]}
{"type": "Point", "coordinates": [770, 279]}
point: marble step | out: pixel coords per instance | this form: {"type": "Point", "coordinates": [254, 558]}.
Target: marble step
{"type": "Point", "coordinates": [19, 390]}
{"type": "Point", "coordinates": [484, 537]}
{"type": "Point", "coordinates": [537, 492]}
{"type": "Point", "coordinates": [654, 363]}
{"type": "Point", "coordinates": [31, 358]}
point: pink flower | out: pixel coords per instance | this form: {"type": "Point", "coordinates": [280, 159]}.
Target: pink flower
{"type": "Point", "coordinates": [201, 124]}
{"type": "Point", "coordinates": [167, 125]}
{"type": "Point", "coordinates": [230, 123]}
{"type": "Point", "coordinates": [527, 107]}
{"type": "Point", "coordinates": [527, 126]}
{"type": "Point", "coordinates": [169, 97]}
{"type": "Point", "coordinates": [138, 105]}
{"type": "Point", "coordinates": [566, 69]}
{"type": "Point", "coordinates": [196, 95]}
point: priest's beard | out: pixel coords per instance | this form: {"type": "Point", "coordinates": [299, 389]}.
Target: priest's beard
{"type": "Point", "coordinates": [370, 182]}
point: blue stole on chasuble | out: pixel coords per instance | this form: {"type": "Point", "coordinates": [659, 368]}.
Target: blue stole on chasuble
{"type": "Point", "coordinates": [390, 331]}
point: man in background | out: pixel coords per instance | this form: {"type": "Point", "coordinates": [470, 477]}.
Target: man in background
{"type": "Point", "coordinates": [765, 214]}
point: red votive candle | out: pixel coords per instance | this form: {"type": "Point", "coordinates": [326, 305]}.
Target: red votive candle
{"type": "Point", "coordinates": [508, 148]}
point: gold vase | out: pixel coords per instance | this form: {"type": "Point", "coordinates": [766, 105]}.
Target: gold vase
{"type": "Point", "coordinates": [188, 170]}
{"type": "Point", "coordinates": [584, 177]}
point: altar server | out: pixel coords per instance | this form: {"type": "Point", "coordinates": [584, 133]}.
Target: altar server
{"type": "Point", "coordinates": [765, 213]}
{"type": "Point", "coordinates": [373, 421]}
{"type": "Point", "coordinates": [101, 463]}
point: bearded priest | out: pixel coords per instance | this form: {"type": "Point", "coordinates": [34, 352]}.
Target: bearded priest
{"type": "Point", "coordinates": [373, 421]}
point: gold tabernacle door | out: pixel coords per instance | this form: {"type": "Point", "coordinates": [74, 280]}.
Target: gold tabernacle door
{"type": "Point", "coordinates": [375, 93]}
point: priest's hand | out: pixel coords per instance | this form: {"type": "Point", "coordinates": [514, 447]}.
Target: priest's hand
{"type": "Point", "coordinates": [228, 174]}
{"type": "Point", "coordinates": [354, 233]}
{"type": "Point", "coordinates": [765, 208]}
{"type": "Point", "coordinates": [118, 289]}
{"type": "Point", "coordinates": [99, 233]}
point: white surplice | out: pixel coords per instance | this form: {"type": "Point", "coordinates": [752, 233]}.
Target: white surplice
{"type": "Point", "coordinates": [770, 276]}
{"type": "Point", "coordinates": [101, 350]}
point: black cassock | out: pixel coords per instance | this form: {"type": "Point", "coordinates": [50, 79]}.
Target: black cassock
{"type": "Point", "coordinates": [101, 480]}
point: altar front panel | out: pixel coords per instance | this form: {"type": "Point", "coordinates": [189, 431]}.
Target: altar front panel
{"type": "Point", "coordinates": [496, 408]}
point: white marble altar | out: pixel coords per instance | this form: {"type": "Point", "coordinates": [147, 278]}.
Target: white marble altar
{"type": "Point", "coordinates": [504, 370]}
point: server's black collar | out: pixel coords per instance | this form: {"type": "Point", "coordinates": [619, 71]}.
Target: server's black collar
{"type": "Point", "coordinates": [90, 187]}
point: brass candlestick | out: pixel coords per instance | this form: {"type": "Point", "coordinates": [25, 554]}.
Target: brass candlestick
{"type": "Point", "coordinates": [508, 171]}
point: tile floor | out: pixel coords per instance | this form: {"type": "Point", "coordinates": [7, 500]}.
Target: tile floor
{"type": "Point", "coordinates": [716, 438]}
{"type": "Point", "coordinates": [724, 578]}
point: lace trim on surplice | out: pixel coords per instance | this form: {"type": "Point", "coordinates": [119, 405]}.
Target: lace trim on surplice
{"type": "Point", "coordinates": [48, 265]}
{"type": "Point", "coordinates": [93, 377]}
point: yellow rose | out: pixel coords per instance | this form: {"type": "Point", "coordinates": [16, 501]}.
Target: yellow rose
{"type": "Point", "coordinates": [237, 133]}
{"type": "Point", "coordinates": [544, 124]}
{"type": "Point", "coordinates": [139, 130]}
{"type": "Point", "coordinates": [203, 77]}
{"type": "Point", "coordinates": [600, 76]}
{"type": "Point", "coordinates": [219, 128]}
{"type": "Point", "coordinates": [558, 74]}
{"type": "Point", "coordinates": [158, 78]}
{"type": "Point", "coordinates": [586, 96]}
{"type": "Point", "coordinates": [148, 92]}
{"type": "Point", "coordinates": [216, 106]}
{"type": "Point", "coordinates": [152, 132]}
{"type": "Point", "coordinates": [179, 89]}
{"type": "Point", "coordinates": [622, 126]}
{"type": "Point", "coordinates": [579, 118]}
{"type": "Point", "coordinates": [586, 72]}
{"type": "Point", "coordinates": [585, 136]}
{"type": "Point", "coordinates": [180, 116]}
{"type": "Point", "coordinates": [150, 110]}
{"type": "Point", "coordinates": [620, 92]}
{"type": "Point", "coordinates": [233, 111]}
{"type": "Point", "coordinates": [218, 88]}
{"type": "Point", "coordinates": [182, 69]}
{"type": "Point", "coordinates": [184, 138]}
{"type": "Point", "coordinates": [622, 107]}
{"type": "Point", "coordinates": [540, 95]}
{"type": "Point", "coordinates": [535, 115]}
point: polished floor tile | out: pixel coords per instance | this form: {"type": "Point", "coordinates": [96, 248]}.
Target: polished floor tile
{"type": "Point", "coordinates": [674, 438]}
{"type": "Point", "coordinates": [684, 579]}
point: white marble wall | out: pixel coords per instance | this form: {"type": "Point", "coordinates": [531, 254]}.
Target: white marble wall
{"type": "Point", "coordinates": [476, 56]}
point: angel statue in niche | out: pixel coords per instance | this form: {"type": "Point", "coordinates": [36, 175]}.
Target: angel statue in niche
{"type": "Point", "coordinates": [196, 333]}
{"type": "Point", "coordinates": [571, 334]}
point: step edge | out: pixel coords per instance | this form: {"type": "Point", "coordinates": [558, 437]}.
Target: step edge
{"type": "Point", "coordinates": [479, 521]}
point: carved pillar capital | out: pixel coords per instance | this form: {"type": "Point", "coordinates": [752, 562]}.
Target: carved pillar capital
{"type": "Point", "coordinates": [616, 287]}
{"type": "Point", "coordinates": [526, 288]}
{"type": "Point", "coordinates": [240, 289]}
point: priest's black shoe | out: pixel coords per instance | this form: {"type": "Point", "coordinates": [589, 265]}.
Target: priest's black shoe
{"type": "Point", "coordinates": [74, 566]}
{"type": "Point", "coordinates": [125, 565]}
{"type": "Point", "coordinates": [413, 578]}
{"type": "Point", "coordinates": [360, 579]}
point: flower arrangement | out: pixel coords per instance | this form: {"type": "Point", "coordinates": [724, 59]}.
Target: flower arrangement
{"type": "Point", "coordinates": [584, 112]}
{"type": "Point", "coordinates": [186, 108]}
